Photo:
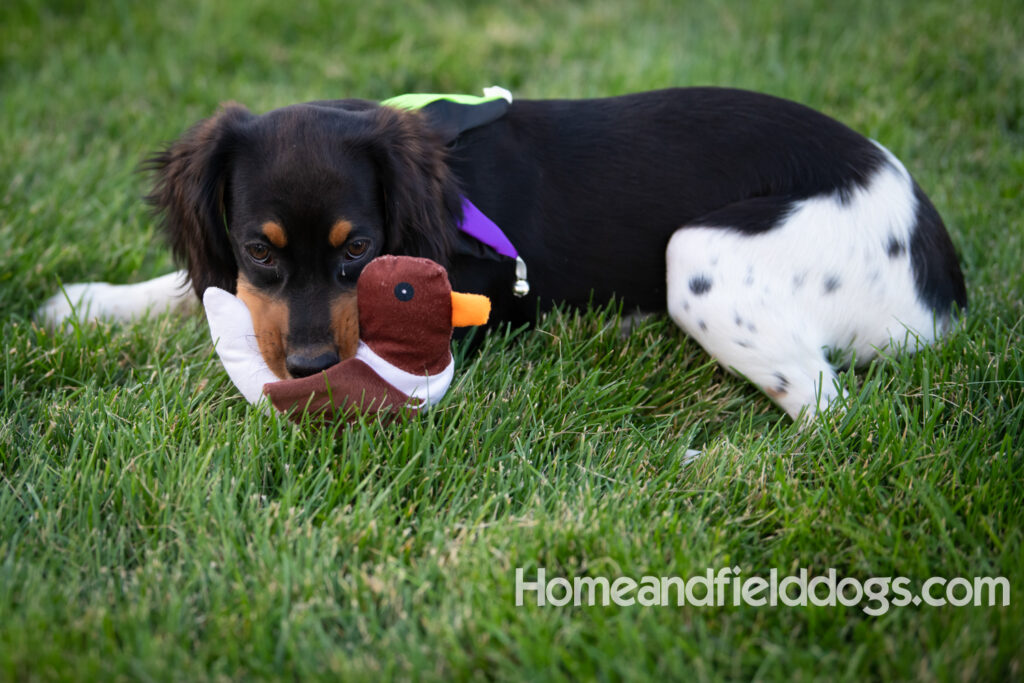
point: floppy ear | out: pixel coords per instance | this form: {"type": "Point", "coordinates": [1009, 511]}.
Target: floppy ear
{"type": "Point", "coordinates": [189, 195]}
{"type": "Point", "coordinates": [421, 196]}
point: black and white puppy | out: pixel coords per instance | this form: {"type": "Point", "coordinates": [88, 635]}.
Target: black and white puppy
{"type": "Point", "coordinates": [775, 236]}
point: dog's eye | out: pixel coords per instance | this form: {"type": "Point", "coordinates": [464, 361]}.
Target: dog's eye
{"type": "Point", "coordinates": [357, 249]}
{"type": "Point", "coordinates": [259, 253]}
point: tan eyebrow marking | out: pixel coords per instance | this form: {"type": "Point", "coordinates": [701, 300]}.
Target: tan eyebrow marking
{"type": "Point", "coordinates": [275, 233]}
{"type": "Point", "coordinates": [339, 233]}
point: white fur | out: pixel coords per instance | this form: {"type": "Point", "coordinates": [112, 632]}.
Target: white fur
{"type": "Point", "coordinates": [767, 314]}
{"type": "Point", "coordinates": [102, 301]}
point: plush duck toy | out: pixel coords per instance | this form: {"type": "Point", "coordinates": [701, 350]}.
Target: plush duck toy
{"type": "Point", "coordinates": [407, 310]}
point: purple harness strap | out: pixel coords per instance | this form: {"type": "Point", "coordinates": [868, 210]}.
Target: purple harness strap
{"type": "Point", "coordinates": [481, 228]}
{"type": "Point", "coordinates": [477, 225]}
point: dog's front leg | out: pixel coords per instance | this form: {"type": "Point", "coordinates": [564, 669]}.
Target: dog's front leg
{"type": "Point", "coordinates": [86, 301]}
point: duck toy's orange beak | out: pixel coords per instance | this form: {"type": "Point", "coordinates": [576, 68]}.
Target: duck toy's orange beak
{"type": "Point", "coordinates": [470, 309]}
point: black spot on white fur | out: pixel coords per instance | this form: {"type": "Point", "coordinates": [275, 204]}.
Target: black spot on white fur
{"type": "Point", "coordinates": [832, 283]}
{"type": "Point", "coordinates": [895, 248]}
{"type": "Point", "coordinates": [700, 284]}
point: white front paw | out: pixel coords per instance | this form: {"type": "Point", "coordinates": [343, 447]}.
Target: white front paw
{"type": "Point", "coordinates": [82, 301]}
{"type": "Point", "coordinates": [86, 301]}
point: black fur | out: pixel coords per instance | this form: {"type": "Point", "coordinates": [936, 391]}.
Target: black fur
{"type": "Point", "coordinates": [937, 275]}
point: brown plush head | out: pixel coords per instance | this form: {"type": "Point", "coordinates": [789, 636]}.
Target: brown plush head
{"type": "Point", "coordinates": [407, 310]}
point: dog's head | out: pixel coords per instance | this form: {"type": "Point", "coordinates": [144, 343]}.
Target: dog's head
{"type": "Point", "coordinates": [285, 209]}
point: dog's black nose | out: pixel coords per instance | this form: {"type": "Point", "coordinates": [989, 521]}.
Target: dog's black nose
{"type": "Point", "coordinates": [300, 365]}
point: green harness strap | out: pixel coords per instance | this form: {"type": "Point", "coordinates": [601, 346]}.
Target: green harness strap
{"type": "Point", "coordinates": [421, 100]}
{"type": "Point", "coordinates": [453, 115]}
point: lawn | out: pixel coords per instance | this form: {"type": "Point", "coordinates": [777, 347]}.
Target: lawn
{"type": "Point", "coordinates": [154, 527]}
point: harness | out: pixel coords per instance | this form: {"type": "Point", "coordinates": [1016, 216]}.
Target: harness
{"type": "Point", "coordinates": [453, 115]}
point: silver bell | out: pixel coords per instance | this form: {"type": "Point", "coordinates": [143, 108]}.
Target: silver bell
{"type": "Point", "coordinates": [521, 287]}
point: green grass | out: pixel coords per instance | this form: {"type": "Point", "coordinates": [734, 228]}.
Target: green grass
{"type": "Point", "coordinates": [153, 527]}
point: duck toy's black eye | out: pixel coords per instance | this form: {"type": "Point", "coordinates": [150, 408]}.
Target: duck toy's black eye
{"type": "Point", "coordinates": [404, 291]}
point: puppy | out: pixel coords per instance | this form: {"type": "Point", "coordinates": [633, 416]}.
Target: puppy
{"type": "Point", "coordinates": [779, 239]}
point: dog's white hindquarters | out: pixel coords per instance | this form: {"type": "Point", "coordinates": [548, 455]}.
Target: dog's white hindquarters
{"type": "Point", "coordinates": [773, 286]}
{"type": "Point", "coordinates": [86, 301]}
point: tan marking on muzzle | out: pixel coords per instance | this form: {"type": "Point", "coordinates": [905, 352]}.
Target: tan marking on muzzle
{"type": "Point", "coordinates": [345, 324]}
{"type": "Point", "coordinates": [270, 321]}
